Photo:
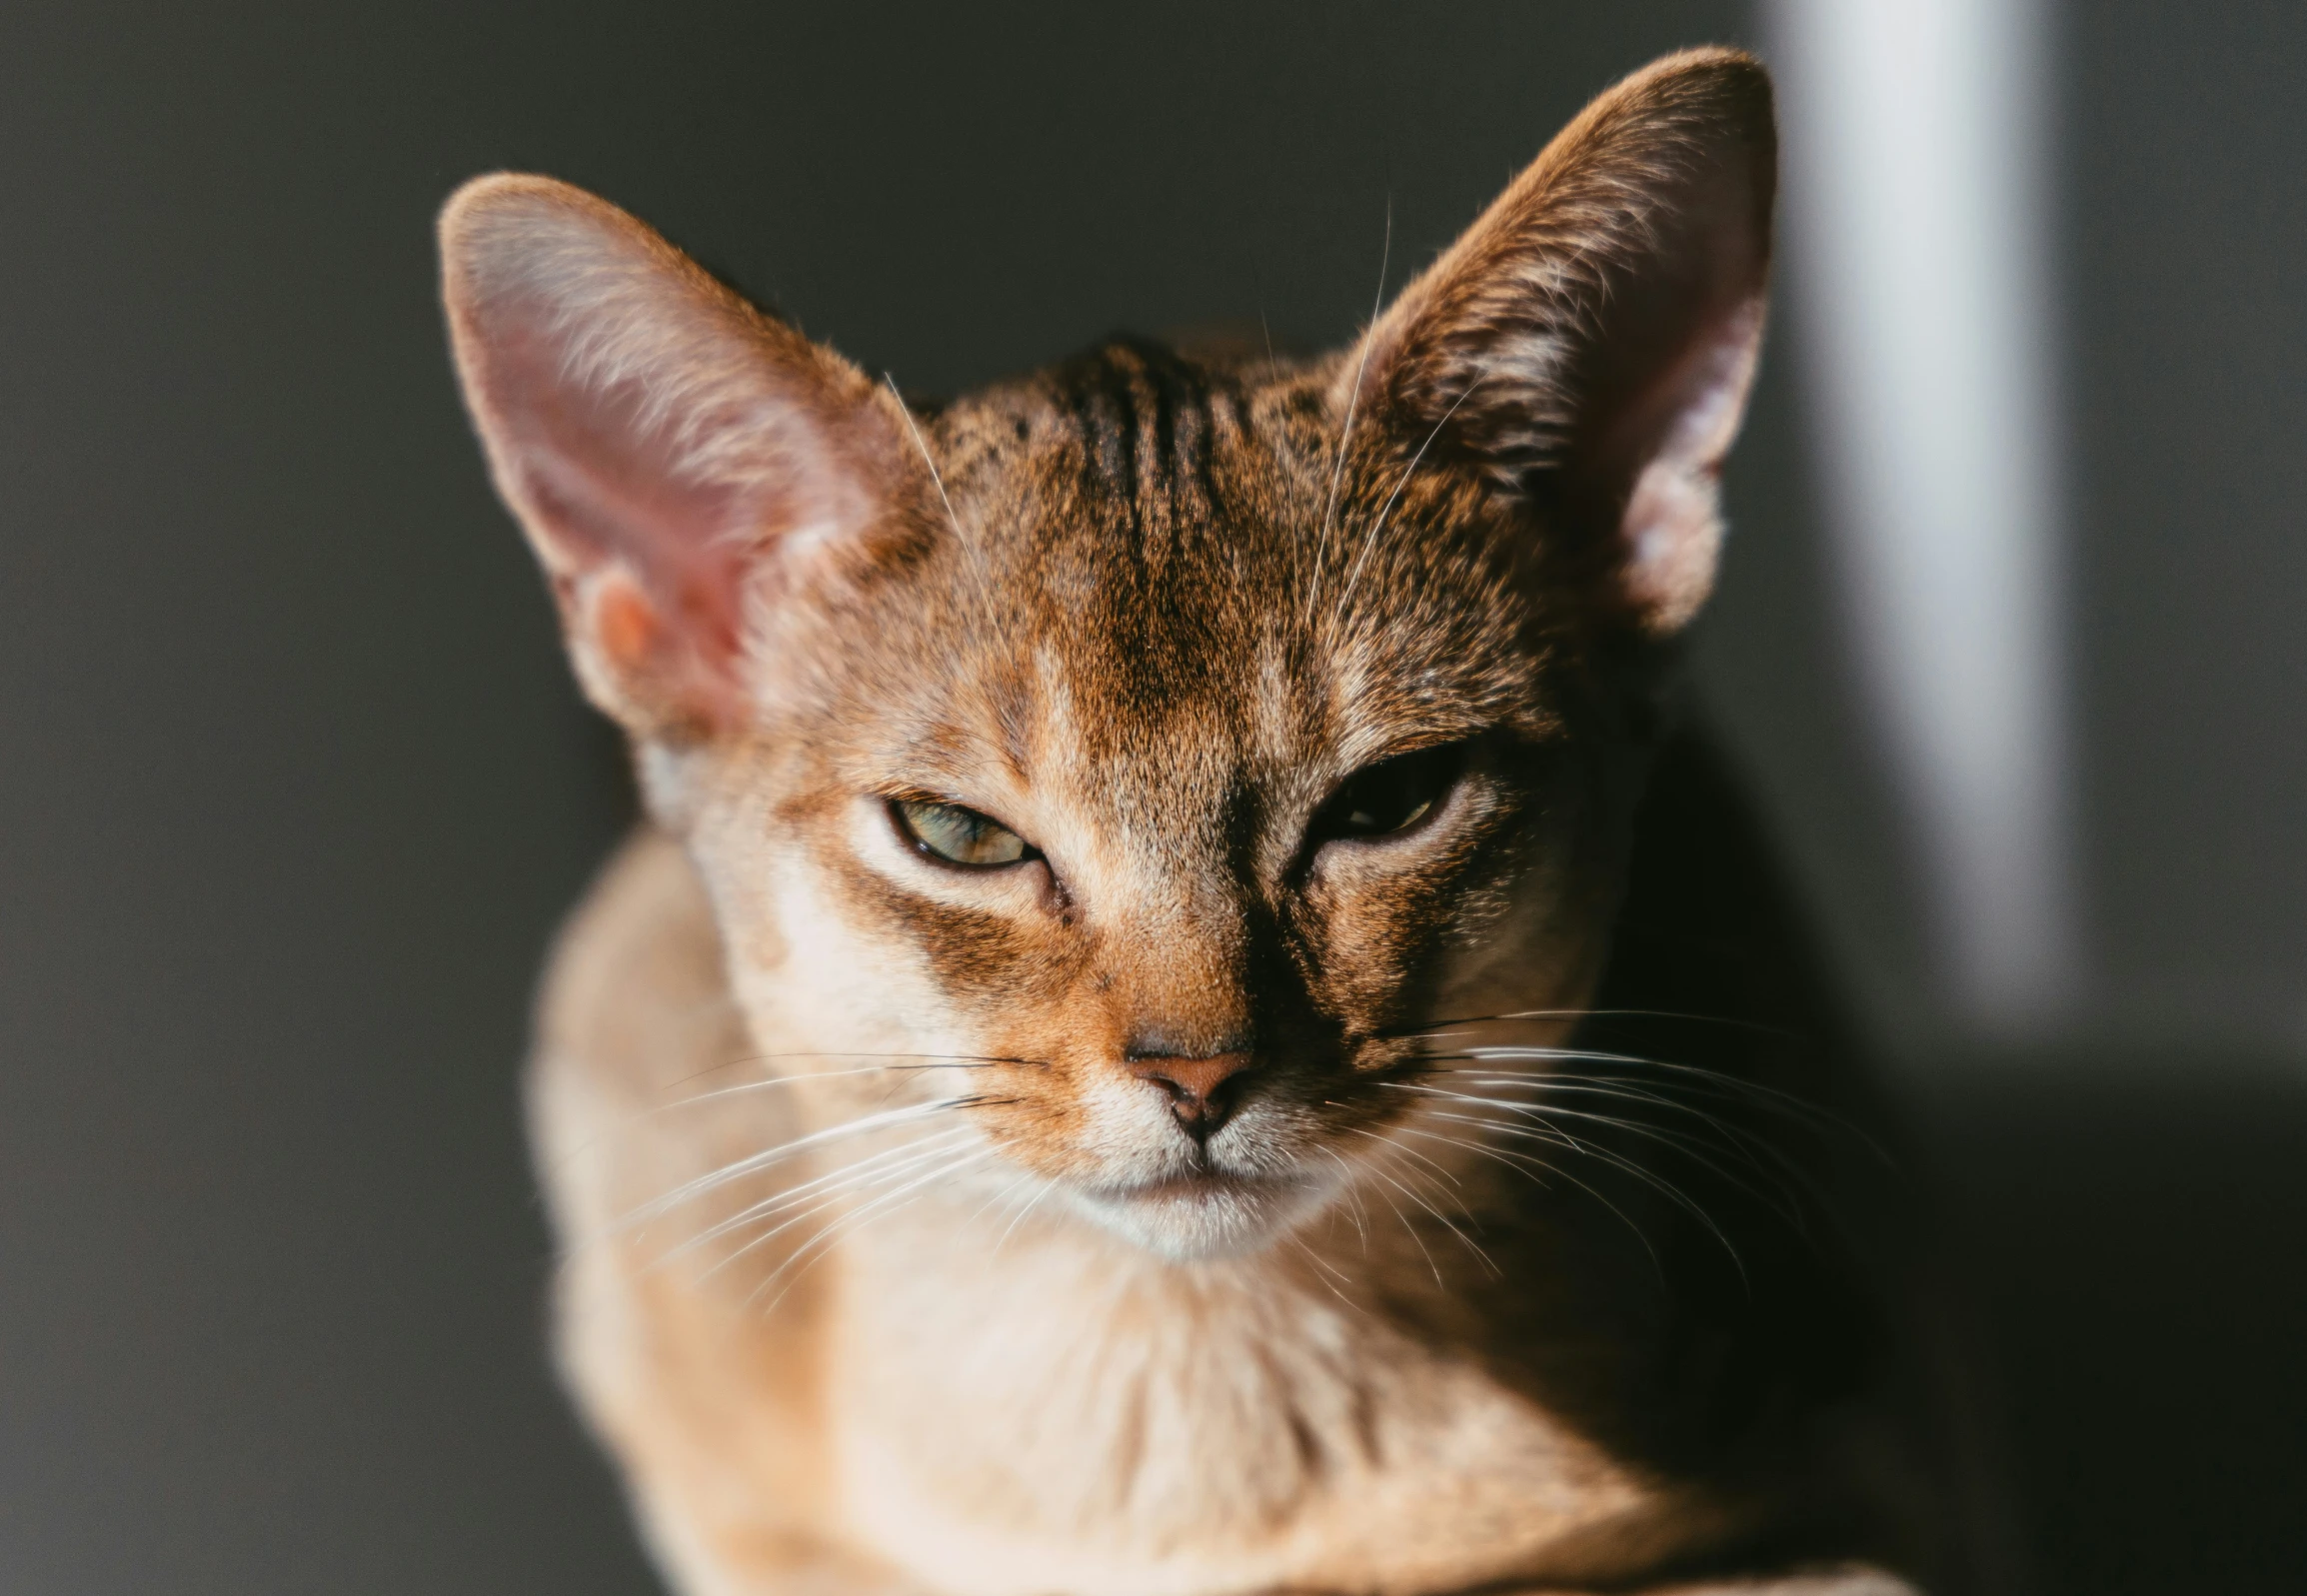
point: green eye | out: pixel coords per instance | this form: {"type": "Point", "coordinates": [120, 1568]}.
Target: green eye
{"type": "Point", "coordinates": [956, 835]}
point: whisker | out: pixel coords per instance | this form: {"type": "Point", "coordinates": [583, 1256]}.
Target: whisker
{"type": "Point", "coordinates": [1352, 1192]}
{"type": "Point", "coordinates": [1549, 1085]}
{"type": "Point", "coordinates": [743, 1088]}
{"type": "Point", "coordinates": [1554, 1135]}
{"type": "Point", "coordinates": [977, 555]}
{"type": "Point", "coordinates": [1520, 1162]}
{"type": "Point", "coordinates": [936, 1061]}
{"type": "Point", "coordinates": [819, 1245]}
{"type": "Point", "coordinates": [1346, 434]}
{"type": "Point", "coordinates": [1413, 1197]}
{"type": "Point", "coordinates": [851, 1180]}
{"type": "Point", "coordinates": [862, 1172]}
{"type": "Point", "coordinates": [1688, 1148]}
{"type": "Point", "coordinates": [1413, 1153]}
{"type": "Point", "coordinates": [1747, 1143]}
{"type": "Point", "coordinates": [1411, 1230]}
{"type": "Point", "coordinates": [1820, 1120]}
{"type": "Point", "coordinates": [1719, 1078]}
{"type": "Point", "coordinates": [589, 1144]}
{"type": "Point", "coordinates": [769, 1157]}
{"type": "Point", "coordinates": [1369, 541]}
{"type": "Point", "coordinates": [1589, 1013]}
{"type": "Point", "coordinates": [1018, 1217]}
{"type": "Point", "coordinates": [1024, 1177]}
{"type": "Point", "coordinates": [1328, 1275]}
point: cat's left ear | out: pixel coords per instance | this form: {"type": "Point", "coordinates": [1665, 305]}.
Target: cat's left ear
{"type": "Point", "coordinates": [1592, 337]}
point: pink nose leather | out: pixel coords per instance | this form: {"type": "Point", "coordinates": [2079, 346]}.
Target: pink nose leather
{"type": "Point", "coordinates": [1196, 1086]}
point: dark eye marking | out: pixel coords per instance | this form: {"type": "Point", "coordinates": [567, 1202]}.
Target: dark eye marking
{"type": "Point", "coordinates": [1389, 797]}
{"type": "Point", "coordinates": [958, 836]}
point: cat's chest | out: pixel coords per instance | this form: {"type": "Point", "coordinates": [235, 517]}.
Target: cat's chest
{"type": "Point", "coordinates": [1132, 1429]}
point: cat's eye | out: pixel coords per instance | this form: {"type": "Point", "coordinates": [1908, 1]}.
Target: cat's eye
{"type": "Point", "coordinates": [1391, 796]}
{"type": "Point", "coordinates": [953, 835]}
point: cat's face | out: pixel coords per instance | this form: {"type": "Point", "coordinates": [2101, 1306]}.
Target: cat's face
{"type": "Point", "coordinates": [1152, 745]}
{"type": "Point", "coordinates": [1117, 782]}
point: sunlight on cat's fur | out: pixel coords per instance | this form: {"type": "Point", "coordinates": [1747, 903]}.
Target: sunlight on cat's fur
{"type": "Point", "coordinates": [1079, 1087]}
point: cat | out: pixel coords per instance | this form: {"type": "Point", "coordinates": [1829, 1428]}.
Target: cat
{"type": "Point", "coordinates": [1126, 1057]}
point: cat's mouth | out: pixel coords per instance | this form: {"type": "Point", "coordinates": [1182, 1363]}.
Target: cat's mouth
{"type": "Point", "coordinates": [1198, 1185]}
{"type": "Point", "coordinates": [1202, 1211]}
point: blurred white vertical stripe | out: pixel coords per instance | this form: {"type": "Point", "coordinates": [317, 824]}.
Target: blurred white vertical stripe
{"type": "Point", "coordinates": [1917, 223]}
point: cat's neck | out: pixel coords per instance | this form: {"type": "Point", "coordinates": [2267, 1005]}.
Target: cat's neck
{"type": "Point", "coordinates": [1053, 1382]}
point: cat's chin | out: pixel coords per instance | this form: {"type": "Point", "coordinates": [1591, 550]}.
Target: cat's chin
{"type": "Point", "coordinates": [1200, 1218]}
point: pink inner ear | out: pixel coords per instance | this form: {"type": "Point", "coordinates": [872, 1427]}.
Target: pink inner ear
{"type": "Point", "coordinates": [687, 548]}
{"type": "Point", "coordinates": [653, 556]}
{"type": "Point", "coordinates": [626, 624]}
{"type": "Point", "coordinates": [675, 455]}
{"type": "Point", "coordinates": [1678, 434]}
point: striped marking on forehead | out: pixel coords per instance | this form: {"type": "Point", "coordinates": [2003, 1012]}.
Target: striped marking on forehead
{"type": "Point", "coordinates": [1148, 420]}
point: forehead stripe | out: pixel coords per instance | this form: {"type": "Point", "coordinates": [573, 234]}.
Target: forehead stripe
{"type": "Point", "coordinates": [1145, 419]}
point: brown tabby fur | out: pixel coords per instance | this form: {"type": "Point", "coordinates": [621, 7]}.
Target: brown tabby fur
{"type": "Point", "coordinates": [1148, 609]}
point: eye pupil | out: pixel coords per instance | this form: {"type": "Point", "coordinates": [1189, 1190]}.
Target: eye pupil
{"type": "Point", "coordinates": [958, 835]}
{"type": "Point", "coordinates": [1389, 796]}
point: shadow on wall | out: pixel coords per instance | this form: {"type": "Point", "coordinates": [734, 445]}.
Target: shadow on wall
{"type": "Point", "coordinates": [2134, 1221]}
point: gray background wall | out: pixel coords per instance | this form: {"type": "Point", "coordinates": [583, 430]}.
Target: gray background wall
{"type": "Point", "coordinates": [294, 786]}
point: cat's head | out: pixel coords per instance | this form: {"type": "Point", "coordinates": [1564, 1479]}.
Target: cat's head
{"type": "Point", "coordinates": [1164, 740]}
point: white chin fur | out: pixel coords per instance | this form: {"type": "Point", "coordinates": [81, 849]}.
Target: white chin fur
{"type": "Point", "coordinates": [1221, 1222]}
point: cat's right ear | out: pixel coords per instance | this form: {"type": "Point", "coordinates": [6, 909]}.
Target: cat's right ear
{"type": "Point", "coordinates": [681, 462]}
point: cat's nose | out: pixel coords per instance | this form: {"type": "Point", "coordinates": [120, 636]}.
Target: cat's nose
{"type": "Point", "coordinates": [1202, 1092]}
